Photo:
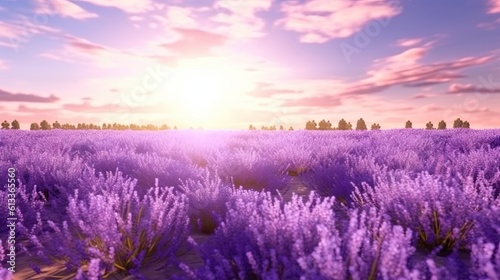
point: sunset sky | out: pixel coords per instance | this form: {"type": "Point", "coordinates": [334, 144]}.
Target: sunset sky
{"type": "Point", "coordinates": [225, 64]}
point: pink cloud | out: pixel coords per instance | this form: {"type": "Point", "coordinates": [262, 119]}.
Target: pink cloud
{"type": "Point", "coordinates": [317, 101]}
{"type": "Point", "coordinates": [63, 8]}
{"type": "Point", "coordinates": [180, 17]}
{"type": "Point", "coordinates": [135, 18]}
{"type": "Point", "coordinates": [3, 65]}
{"type": "Point", "coordinates": [239, 19]}
{"type": "Point", "coordinates": [127, 6]}
{"type": "Point", "coordinates": [493, 6]}
{"type": "Point", "coordinates": [319, 20]}
{"type": "Point", "coordinates": [405, 69]}
{"type": "Point", "coordinates": [194, 42]}
{"type": "Point", "coordinates": [423, 95]}
{"type": "Point", "coordinates": [79, 50]}
{"type": "Point", "coordinates": [409, 42]}
{"type": "Point", "coordinates": [20, 30]}
{"type": "Point", "coordinates": [489, 25]}
{"type": "Point", "coordinates": [266, 90]}
{"type": "Point", "coordinates": [86, 108]}
{"type": "Point", "coordinates": [6, 96]}
{"type": "Point", "coordinates": [469, 88]}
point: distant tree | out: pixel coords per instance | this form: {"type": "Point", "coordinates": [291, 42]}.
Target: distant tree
{"type": "Point", "coordinates": [442, 125]}
{"type": "Point", "coordinates": [5, 125]}
{"type": "Point", "coordinates": [466, 124]}
{"type": "Point", "coordinates": [175, 127]}
{"type": "Point", "coordinates": [290, 129]}
{"type": "Point", "coordinates": [34, 126]}
{"type": "Point", "coordinates": [408, 124]}
{"type": "Point", "coordinates": [311, 125]}
{"type": "Point", "coordinates": [343, 125]}
{"type": "Point", "coordinates": [349, 126]}
{"type": "Point", "coordinates": [56, 125]}
{"type": "Point", "coordinates": [251, 127]}
{"type": "Point", "coordinates": [375, 126]}
{"type": "Point", "coordinates": [15, 125]}
{"type": "Point", "coordinates": [44, 125]}
{"type": "Point", "coordinates": [429, 125]}
{"type": "Point", "coordinates": [458, 123]}
{"type": "Point", "coordinates": [281, 127]}
{"type": "Point", "coordinates": [324, 125]}
{"type": "Point", "coordinates": [361, 125]}
{"type": "Point", "coordinates": [273, 127]}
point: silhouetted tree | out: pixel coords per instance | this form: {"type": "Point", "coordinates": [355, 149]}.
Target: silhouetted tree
{"type": "Point", "coordinates": [251, 127]}
{"type": "Point", "coordinates": [429, 125]}
{"type": "Point", "coordinates": [15, 125]}
{"type": "Point", "coordinates": [324, 125]}
{"type": "Point", "coordinates": [311, 125]}
{"type": "Point", "coordinates": [408, 124]}
{"type": "Point", "coordinates": [375, 126]}
{"type": "Point", "coordinates": [343, 125]}
{"type": "Point", "coordinates": [349, 126]}
{"type": "Point", "coordinates": [34, 126]}
{"type": "Point", "coordinates": [361, 125]}
{"type": "Point", "coordinates": [290, 129]}
{"type": "Point", "coordinates": [442, 125]}
{"type": "Point", "coordinates": [56, 125]}
{"type": "Point", "coordinates": [44, 125]}
{"type": "Point", "coordinates": [5, 125]}
{"type": "Point", "coordinates": [466, 124]}
{"type": "Point", "coordinates": [281, 127]}
{"type": "Point", "coordinates": [458, 123]}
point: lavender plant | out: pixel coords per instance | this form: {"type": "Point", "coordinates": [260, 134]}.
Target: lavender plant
{"type": "Point", "coordinates": [431, 206]}
{"type": "Point", "coordinates": [115, 226]}
{"type": "Point", "coordinates": [207, 201]}
{"type": "Point", "coordinates": [263, 238]}
{"type": "Point", "coordinates": [4, 272]}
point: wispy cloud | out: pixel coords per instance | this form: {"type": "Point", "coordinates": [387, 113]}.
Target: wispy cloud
{"type": "Point", "coordinates": [127, 6]}
{"type": "Point", "coordinates": [24, 97]}
{"type": "Point", "coordinates": [469, 88]}
{"type": "Point", "coordinates": [493, 6]}
{"type": "Point", "coordinates": [62, 8]}
{"type": "Point", "coordinates": [319, 21]}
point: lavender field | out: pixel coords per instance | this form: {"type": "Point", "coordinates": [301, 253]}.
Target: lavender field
{"type": "Point", "coordinates": [396, 204]}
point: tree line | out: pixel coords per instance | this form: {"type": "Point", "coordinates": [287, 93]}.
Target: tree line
{"type": "Point", "coordinates": [44, 125]}
{"type": "Point", "coordinates": [361, 125]}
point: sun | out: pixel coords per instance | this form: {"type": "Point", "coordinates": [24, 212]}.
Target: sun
{"type": "Point", "coordinates": [202, 89]}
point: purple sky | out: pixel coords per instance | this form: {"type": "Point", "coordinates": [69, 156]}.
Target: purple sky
{"type": "Point", "coordinates": [231, 63]}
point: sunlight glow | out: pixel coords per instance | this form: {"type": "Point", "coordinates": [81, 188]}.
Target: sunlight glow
{"type": "Point", "coordinates": [202, 89]}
